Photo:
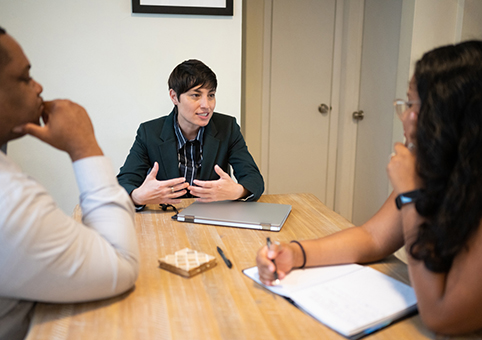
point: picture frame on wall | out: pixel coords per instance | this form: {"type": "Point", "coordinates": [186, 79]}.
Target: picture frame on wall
{"type": "Point", "coordinates": [199, 7]}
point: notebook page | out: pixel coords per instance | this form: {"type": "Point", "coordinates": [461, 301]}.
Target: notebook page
{"type": "Point", "coordinates": [300, 279]}
{"type": "Point", "coordinates": [357, 301]}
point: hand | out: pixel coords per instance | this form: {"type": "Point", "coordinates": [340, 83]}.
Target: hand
{"type": "Point", "coordinates": [402, 170]}
{"type": "Point", "coordinates": [153, 191]}
{"type": "Point", "coordinates": [67, 127]}
{"type": "Point", "coordinates": [284, 255]}
{"type": "Point", "coordinates": [225, 188]}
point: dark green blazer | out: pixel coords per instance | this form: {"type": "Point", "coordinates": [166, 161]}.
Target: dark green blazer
{"type": "Point", "coordinates": [223, 145]}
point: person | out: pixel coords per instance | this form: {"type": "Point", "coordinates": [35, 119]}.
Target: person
{"type": "Point", "coordinates": [46, 255]}
{"type": "Point", "coordinates": [437, 179]}
{"type": "Point", "coordinates": [188, 152]}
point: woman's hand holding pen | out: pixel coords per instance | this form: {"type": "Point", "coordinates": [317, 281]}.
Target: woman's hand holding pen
{"type": "Point", "coordinates": [284, 254]}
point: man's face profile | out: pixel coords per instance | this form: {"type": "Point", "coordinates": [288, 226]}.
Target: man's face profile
{"type": "Point", "coordinates": [20, 100]}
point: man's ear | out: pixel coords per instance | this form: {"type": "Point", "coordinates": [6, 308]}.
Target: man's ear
{"type": "Point", "coordinates": [173, 96]}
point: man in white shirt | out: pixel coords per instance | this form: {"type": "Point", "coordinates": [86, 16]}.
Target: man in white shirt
{"type": "Point", "coordinates": [44, 254]}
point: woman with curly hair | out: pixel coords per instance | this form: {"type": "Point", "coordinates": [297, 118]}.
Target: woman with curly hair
{"type": "Point", "coordinates": [435, 209]}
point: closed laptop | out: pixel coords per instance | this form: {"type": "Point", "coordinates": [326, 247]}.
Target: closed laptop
{"type": "Point", "coordinates": [251, 215]}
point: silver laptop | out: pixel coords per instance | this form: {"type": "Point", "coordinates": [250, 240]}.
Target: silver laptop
{"type": "Point", "coordinates": [251, 215]}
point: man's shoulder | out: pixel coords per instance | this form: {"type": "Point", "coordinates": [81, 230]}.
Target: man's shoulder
{"type": "Point", "coordinates": [15, 183]}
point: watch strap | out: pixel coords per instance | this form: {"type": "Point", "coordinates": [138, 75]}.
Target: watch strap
{"type": "Point", "coordinates": [407, 197]}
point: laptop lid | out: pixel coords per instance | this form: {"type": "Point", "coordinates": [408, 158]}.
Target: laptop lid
{"type": "Point", "coordinates": [251, 215]}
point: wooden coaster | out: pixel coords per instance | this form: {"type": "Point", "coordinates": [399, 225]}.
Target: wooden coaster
{"type": "Point", "coordinates": [187, 262]}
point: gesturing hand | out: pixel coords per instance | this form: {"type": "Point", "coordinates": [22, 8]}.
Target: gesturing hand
{"type": "Point", "coordinates": [153, 191]}
{"type": "Point", "coordinates": [225, 188]}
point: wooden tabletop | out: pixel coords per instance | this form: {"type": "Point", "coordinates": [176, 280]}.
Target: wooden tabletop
{"type": "Point", "coordinates": [220, 303]}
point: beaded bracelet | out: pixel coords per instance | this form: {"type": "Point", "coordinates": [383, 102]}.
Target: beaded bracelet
{"type": "Point", "coordinates": [304, 254]}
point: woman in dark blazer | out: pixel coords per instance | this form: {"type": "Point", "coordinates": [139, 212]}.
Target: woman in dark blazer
{"type": "Point", "coordinates": [188, 152]}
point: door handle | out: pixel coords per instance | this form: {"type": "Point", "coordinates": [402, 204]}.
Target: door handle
{"type": "Point", "coordinates": [358, 115]}
{"type": "Point", "coordinates": [323, 108]}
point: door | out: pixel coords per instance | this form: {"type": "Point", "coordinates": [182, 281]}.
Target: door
{"type": "Point", "coordinates": [300, 81]}
{"type": "Point", "coordinates": [379, 63]}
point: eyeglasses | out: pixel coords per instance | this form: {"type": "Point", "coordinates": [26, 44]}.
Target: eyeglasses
{"type": "Point", "coordinates": [402, 105]}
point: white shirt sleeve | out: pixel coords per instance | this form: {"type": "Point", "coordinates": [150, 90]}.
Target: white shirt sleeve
{"type": "Point", "coordinates": [45, 255]}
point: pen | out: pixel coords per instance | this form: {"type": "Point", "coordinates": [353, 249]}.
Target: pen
{"type": "Point", "coordinates": [226, 260]}
{"type": "Point", "coordinates": [276, 279]}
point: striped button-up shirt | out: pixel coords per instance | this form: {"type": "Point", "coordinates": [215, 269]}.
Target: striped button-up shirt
{"type": "Point", "coordinates": [189, 153]}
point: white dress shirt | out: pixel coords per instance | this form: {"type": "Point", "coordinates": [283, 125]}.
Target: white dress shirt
{"type": "Point", "coordinates": [47, 256]}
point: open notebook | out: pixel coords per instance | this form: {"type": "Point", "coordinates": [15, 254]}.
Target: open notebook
{"type": "Point", "coordinates": [251, 215]}
{"type": "Point", "coordinates": [351, 299]}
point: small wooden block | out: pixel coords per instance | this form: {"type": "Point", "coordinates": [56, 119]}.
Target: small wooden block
{"type": "Point", "coordinates": [187, 262]}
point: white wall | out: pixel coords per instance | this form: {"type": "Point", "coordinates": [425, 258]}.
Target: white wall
{"type": "Point", "coordinates": [472, 25]}
{"type": "Point", "coordinates": [116, 65]}
{"type": "Point", "coordinates": [426, 24]}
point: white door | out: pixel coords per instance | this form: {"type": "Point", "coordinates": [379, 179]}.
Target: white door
{"type": "Point", "coordinates": [300, 81]}
{"type": "Point", "coordinates": [381, 35]}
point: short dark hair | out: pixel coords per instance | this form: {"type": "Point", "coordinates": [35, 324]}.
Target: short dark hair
{"type": "Point", "coordinates": [189, 74]}
{"type": "Point", "coordinates": [4, 56]}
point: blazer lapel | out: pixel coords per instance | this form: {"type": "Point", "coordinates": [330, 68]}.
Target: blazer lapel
{"type": "Point", "coordinates": [210, 151]}
{"type": "Point", "coordinates": [168, 148]}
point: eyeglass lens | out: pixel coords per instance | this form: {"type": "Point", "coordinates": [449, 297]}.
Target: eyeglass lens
{"type": "Point", "coordinates": [400, 106]}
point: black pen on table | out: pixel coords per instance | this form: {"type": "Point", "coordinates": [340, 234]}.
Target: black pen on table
{"type": "Point", "coordinates": [276, 279]}
{"type": "Point", "coordinates": [226, 260]}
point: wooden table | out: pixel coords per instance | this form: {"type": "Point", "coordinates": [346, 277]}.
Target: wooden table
{"type": "Point", "coordinates": [220, 303]}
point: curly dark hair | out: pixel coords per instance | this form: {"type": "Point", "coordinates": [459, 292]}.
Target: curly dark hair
{"type": "Point", "coordinates": [189, 74]}
{"type": "Point", "coordinates": [449, 151]}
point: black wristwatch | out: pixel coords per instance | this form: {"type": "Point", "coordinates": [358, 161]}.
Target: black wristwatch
{"type": "Point", "coordinates": [407, 197]}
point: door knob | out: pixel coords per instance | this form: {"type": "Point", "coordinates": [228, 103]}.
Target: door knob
{"type": "Point", "coordinates": [358, 115]}
{"type": "Point", "coordinates": [323, 108]}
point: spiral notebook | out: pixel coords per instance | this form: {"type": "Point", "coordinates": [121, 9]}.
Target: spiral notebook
{"type": "Point", "coordinates": [250, 215]}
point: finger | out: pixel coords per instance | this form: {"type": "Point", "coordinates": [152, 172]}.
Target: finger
{"type": "Point", "coordinates": [198, 190]}
{"type": "Point", "coordinates": [35, 130]}
{"type": "Point", "coordinates": [220, 172]}
{"type": "Point", "coordinates": [45, 116]}
{"type": "Point", "coordinates": [281, 274]}
{"type": "Point", "coordinates": [203, 196]}
{"type": "Point", "coordinates": [174, 181]}
{"type": "Point", "coordinates": [263, 260]}
{"type": "Point", "coordinates": [178, 187]}
{"type": "Point", "coordinates": [205, 184]}
{"type": "Point", "coordinates": [177, 194]}
{"type": "Point", "coordinates": [154, 170]}
{"type": "Point", "coordinates": [273, 251]}
{"type": "Point", "coordinates": [49, 105]}
{"type": "Point", "coordinates": [265, 266]}
{"type": "Point", "coordinates": [266, 273]}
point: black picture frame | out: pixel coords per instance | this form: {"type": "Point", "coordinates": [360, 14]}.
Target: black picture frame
{"type": "Point", "coordinates": [137, 7]}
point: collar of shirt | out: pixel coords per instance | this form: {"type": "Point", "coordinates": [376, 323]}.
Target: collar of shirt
{"type": "Point", "coordinates": [181, 140]}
